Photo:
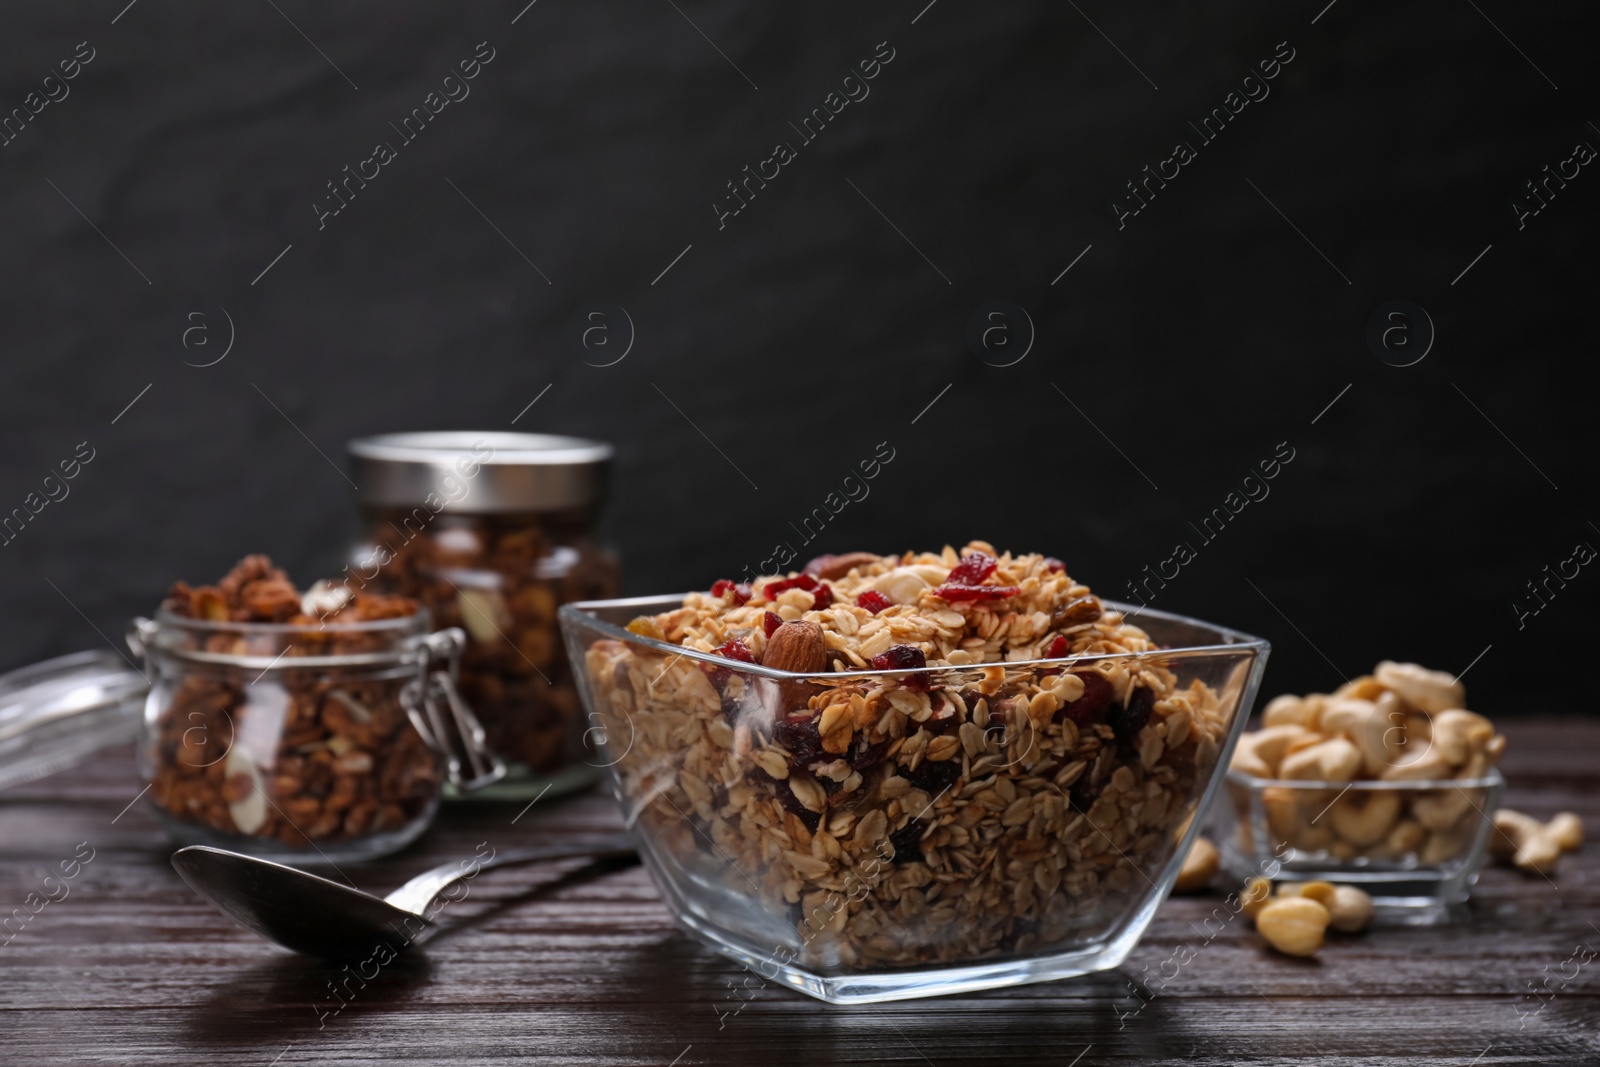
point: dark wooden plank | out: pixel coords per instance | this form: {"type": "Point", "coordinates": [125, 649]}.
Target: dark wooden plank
{"type": "Point", "coordinates": [580, 964]}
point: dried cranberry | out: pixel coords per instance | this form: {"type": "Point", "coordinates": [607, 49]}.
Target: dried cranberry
{"type": "Point", "coordinates": [1058, 648]}
{"type": "Point", "coordinates": [903, 658]}
{"type": "Point", "coordinates": [734, 649]}
{"type": "Point", "coordinates": [873, 601]}
{"type": "Point", "coordinates": [770, 622]}
{"type": "Point", "coordinates": [821, 592]}
{"type": "Point", "coordinates": [953, 592]}
{"type": "Point", "coordinates": [1053, 565]}
{"type": "Point", "coordinates": [1126, 722]}
{"type": "Point", "coordinates": [973, 569]}
{"type": "Point", "coordinates": [864, 756]}
{"type": "Point", "coordinates": [900, 658]}
{"type": "Point", "coordinates": [907, 842]}
{"type": "Point", "coordinates": [1089, 708]}
{"type": "Point", "coordinates": [934, 777]}
{"type": "Point", "coordinates": [800, 737]}
{"type": "Point", "coordinates": [779, 585]}
{"type": "Point", "coordinates": [741, 590]}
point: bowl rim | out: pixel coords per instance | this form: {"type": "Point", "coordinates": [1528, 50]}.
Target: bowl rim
{"type": "Point", "coordinates": [581, 612]}
{"type": "Point", "coordinates": [1485, 781]}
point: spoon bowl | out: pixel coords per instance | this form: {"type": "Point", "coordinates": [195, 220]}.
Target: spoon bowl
{"type": "Point", "coordinates": [320, 917]}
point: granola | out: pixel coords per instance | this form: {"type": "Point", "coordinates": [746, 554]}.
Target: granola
{"type": "Point", "coordinates": [987, 761]}
{"type": "Point", "coordinates": [305, 757]}
{"type": "Point", "coordinates": [501, 579]}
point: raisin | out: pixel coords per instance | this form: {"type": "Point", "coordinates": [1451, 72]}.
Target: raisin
{"type": "Point", "coordinates": [1126, 722]}
{"type": "Point", "coordinates": [1054, 566]}
{"type": "Point", "coordinates": [791, 803]}
{"type": "Point", "coordinates": [864, 756]}
{"type": "Point", "coordinates": [934, 777]}
{"type": "Point", "coordinates": [800, 737]}
{"type": "Point", "coordinates": [770, 622]}
{"type": "Point", "coordinates": [1058, 648]}
{"type": "Point", "coordinates": [907, 842]}
{"type": "Point", "coordinates": [973, 569]}
{"type": "Point", "coordinates": [1089, 708]}
{"type": "Point", "coordinates": [1081, 610]}
{"type": "Point", "coordinates": [1082, 795]}
{"type": "Point", "coordinates": [873, 601]}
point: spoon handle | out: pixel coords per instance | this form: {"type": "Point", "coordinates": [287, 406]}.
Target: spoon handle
{"type": "Point", "coordinates": [417, 894]}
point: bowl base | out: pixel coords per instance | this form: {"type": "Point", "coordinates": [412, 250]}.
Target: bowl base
{"type": "Point", "coordinates": [871, 987]}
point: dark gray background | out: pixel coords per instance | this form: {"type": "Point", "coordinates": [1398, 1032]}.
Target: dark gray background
{"type": "Point", "coordinates": [1195, 339]}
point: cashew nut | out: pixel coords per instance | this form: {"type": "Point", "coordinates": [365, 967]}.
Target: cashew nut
{"type": "Point", "coordinates": [1365, 687]}
{"type": "Point", "coordinates": [1257, 891]}
{"type": "Point", "coordinates": [1525, 840]}
{"type": "Point", "coordinates": [1348, 716]}
{"type": "Point", "coordinates": [1440, 809]}
{"type": "Point", "coordinates": [1432, 691]}
{"type": "Point", "coordinates": [1289, 710]}
{"type": "Point", "coordinates": [1349, 910]}
{"type": "Point", "coordinates": [1276, 742]}
{"type": "Point", "coordinates": [1282, 808]}
{"type": "Point", "coordinates": [1428, 766]}
{"type": "Point", "coordinates": [1407, 836]}
{"type": "Point", "coordinates": [1321, 892]}
{"type": "Point", "coordinates": [1567, 829]}
{"type": "Point", "coordinates": [1457, 734]}
{"type": "Point", "coordinates": [1366, 725]}
{"type": "Point", "coordinates": [1364, 817]}
{"type": "Point", "coordinates": [1246, 760]}
{"type": "Point", "coordinates": [1313, 838]}
{"type": "Point", "coordinates": [1294, 926]}
{"type": "Point", "coordinates": [1335, 760]}
{"type": "Point", "coordinates": [1199, 867]}
{"type": "Point", "coordinates": [1442, 846]}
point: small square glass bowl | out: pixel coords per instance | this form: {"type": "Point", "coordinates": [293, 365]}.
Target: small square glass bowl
{"type": "Point", "coordinates": [1414, 846]}
{"type": "Point", "coordinates": [879, 835]}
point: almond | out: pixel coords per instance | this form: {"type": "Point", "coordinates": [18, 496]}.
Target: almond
{"type": "Point", "coordinates": [800, 647]}
{"type": "Point", "coordinates": [834, 567]}
{"type": "Point", "coordinates": [797, 646]}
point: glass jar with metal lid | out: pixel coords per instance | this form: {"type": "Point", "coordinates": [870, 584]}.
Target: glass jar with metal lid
{"type": "Point", "coordinates": [312, 743]}
{"type": "Point", "coordinates": [493, 532]}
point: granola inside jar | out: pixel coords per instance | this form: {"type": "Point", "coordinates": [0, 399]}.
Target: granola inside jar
{"type": "Point", "coordinates": [492, 533]}
{"type": "Point", "coordinates": [310, 726]}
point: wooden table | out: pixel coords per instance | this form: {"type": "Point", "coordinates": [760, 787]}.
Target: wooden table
{"type": "Point", "coordinates": [585, 966]}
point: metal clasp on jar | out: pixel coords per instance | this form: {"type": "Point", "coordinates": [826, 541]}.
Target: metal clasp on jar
{"type": "Point", "coordinates": [427, 696]}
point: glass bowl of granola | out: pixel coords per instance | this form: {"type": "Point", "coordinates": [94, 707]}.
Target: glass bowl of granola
{"type": "Point", "coordinates": [896, 776]}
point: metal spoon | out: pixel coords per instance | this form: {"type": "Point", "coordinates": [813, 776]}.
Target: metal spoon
{"type": "Point", "coordinates": [314, 915]}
